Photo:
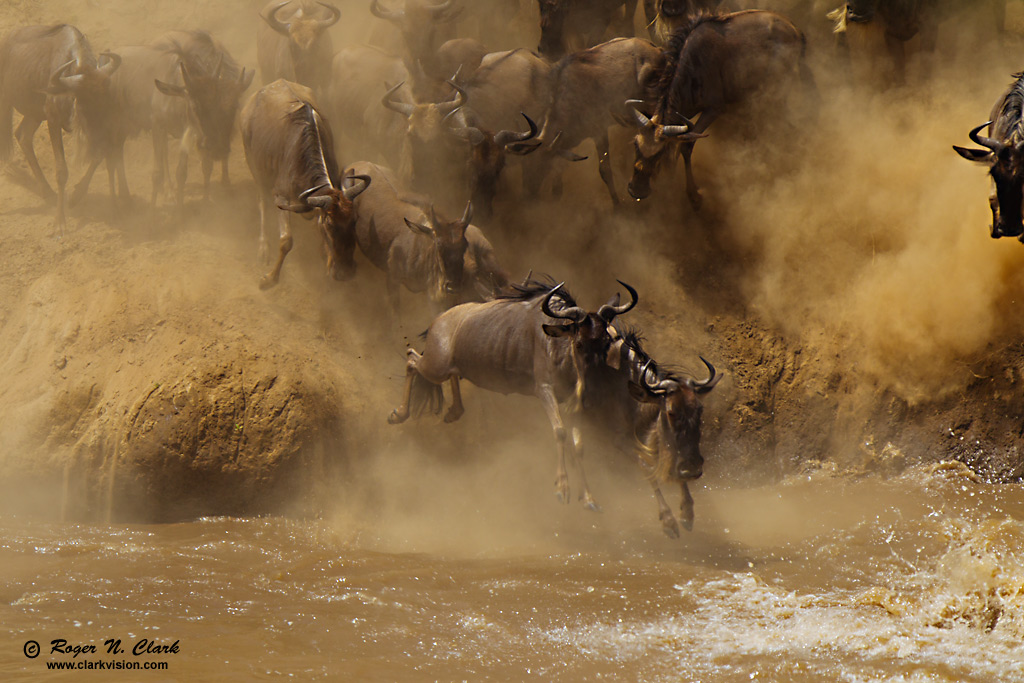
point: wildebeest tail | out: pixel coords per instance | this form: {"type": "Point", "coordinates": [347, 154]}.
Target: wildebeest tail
{"type": "Point", "coordinates": [425, 396]}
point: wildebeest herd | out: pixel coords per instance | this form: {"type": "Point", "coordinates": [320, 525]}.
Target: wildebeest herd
{"type": "Point", "coordinates": [437, 123]}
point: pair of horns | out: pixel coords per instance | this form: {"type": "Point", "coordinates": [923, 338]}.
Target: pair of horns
{"type": "Point", "coordinates": [662, 387]}
{"type": "Point", "coordinates": [608, 312]}
{"type": "Point", "coordinates": [324, 201]}
{"type": "Point", "coordinates": [284, 28]}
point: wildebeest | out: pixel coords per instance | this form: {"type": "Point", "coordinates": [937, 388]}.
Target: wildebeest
{"type": "Point", "coordinates": [899, 21]}
{"type": "Point", "coordinates": [569, 25]}
{"type": "Point", "coordinates": [430, 52]}
{"type": "Point", "coordinates": [535, 341]}
{"type": "Point", "coordinates": [293, 43]}
{"type": "Point", "coordinates": [713, 64]}
{"type": "Point", "coordinates": [419, 249]}
{"type": "Point", "coordinates": [290, 151]}
{"type": "Point", "coordinates": [183, 85]}
{"type": "Point", "coordinates": [49, 73]}
{"type": "Point", "coordinates": [659, 411]}
{"type": "Point", "coordinates": [1004, 153]}
{"type": "Point", "coordinates": [437, 164]}
{"type": "Point", "coordinates": [588, 90]}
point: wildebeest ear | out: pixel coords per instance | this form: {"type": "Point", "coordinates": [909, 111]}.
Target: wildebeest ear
{"type": "Point", "coordinates": [642, 395]}
{"type": "Point", "coordinates": [973, 154]}
{"type": "Point", "coordinates": [169, 89]}
{"type": "Point", "coordinates": [613, 358]}
{"type": "Point", "coordinates": [419, 229]}
{"type": "Point", "coordinates": [557, 330]}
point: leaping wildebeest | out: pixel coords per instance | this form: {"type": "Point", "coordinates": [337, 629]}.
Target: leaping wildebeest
{"type": "Point", "coordinates": [1003, 152]}
{"type": "Point", "coordinates": [534, 341]}
{"type": "Point", "coordinates": [418, 248]}
{"type": "Point", "coordinates": [290, 151]}
{"type": "Point", "coordinates": [49, 73]}
{"type": "Point", "coordinates": [714, 64]}
{"type": "Point", "coordinates": [659, 411]}
{"type": "Point", "coordinates": [293, 43]}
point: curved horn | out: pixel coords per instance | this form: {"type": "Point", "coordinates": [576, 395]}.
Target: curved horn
{"type": "Point", "coordinates": [58, 81]}
{"type": "Point", "coordinates": [575, 314]}
{"type": "Point", "coordinates": [272, 20]}
{"type": "Point", "coordinates": [452, 105]}
{"type": "Point", "coordinates": [305, 196]}
{"type": "Point", "coordinates": [112, 65]}
{"type": "Point", "coordinates": [467, 215]}
{"type": "Point", "coordinates": [402, 108]}
{"type": "Point", "coordinates": [673, 131]}
{"type": "Point", "coordinates": [610, 311]}
{"type": "Point", "coordinates": [506, 137]}
{"type": "Point", "coordinates": [378, 11]}
{"type": "Point", "coordinates": [332, 19]}
{"type": "Point", "coordinates": [641, 118]}
{"type": "Point", "coordinates": [653, 388]}
{"type": "Point", "coordinates": [707, 385]}
{"type": "Point", "coordinates": [353, 191]}
{"type": "Point", "coordinates": [993, 145]}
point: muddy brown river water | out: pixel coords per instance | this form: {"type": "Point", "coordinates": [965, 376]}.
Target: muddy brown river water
{"type": "Point", "coordinates": [820, 577]}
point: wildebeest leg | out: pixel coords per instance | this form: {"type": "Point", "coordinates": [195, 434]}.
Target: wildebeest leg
{"type": "Point", "coordinates": [182, 174]}
{"type": "Point", "coordinates": [401, 414]}
{"type": "Point", "coordinates": [159, 162]}
{"type": "Point", "coordinates": [59, 160]}
{"type": "Point", "coordinates": [82, 187]}
{"type": "Point", "coordinates": [686, 151]}
{"type": "Point", "coordinates": [547, 396]}
{"type": "Point", "coordinates": [262, 252]}
{"type": "Point", "coordinates": [456, 410]}
{"type": "Point", "coordinates": [577, 449]}
{"type": "Point", "coordinates": [284, 246]}
{"type": "Point", "coordinates": [668, 520]}
{"type": "Point", "coordinates": [207, 174]}
{"type": "Point", "coordinates": [686, 508]}
{"type": "Point", "coordinates": [225, 179]}
{"type": "Point", "coordinates": [26, 131]}
{"type": "Point", "coordinates": [604, 166]}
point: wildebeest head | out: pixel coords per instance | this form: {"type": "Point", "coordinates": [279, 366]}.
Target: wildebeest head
{"type": "Point", "coordinates": [1006, 162]}
{"type": "Point", "coordinates": [90, 85]}
{"type": "Point", "coordinates": [425, 133]}
{"type": "Point", "coordinates": [450, 245]}
{"type": "Point", "coordinates": [487, 158]}
{"type": "Point", "coordinates": [678, 423]}
{"type": "Point", "coordinates": [336, 219]}
{"type": "Point", "coordinates": [417, 22]}
{"type": "Point", "coordinates": [212, 104]}
{"type": "Point", "coordinates": [552, 27]}
{"type": "Point", "coordinates": [651, 143]}
{"type": "Point", "coordinates": [303, 31]}
{"type": "Point", "coordinates": [589, 331]}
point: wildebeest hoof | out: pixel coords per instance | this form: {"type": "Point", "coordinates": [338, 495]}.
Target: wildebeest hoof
{"type": "Point", "coordinates": [590, 504]}
{"type": "Point", "coordinates": [395, 418]}
{"type": "Point", "coordinates": [688, 524]}
{"type": "Point", "coordinates": [267, 281]}
{"type": "Point", "coordinates": [452, 415]}
{"type": "Point", "coordinates": [562, 491]}
{"type": "Point", "coordinates": [668, 524]}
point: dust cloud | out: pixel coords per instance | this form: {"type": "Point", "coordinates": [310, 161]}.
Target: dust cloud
{"type": "Point", "coordinates": [856, 233]}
